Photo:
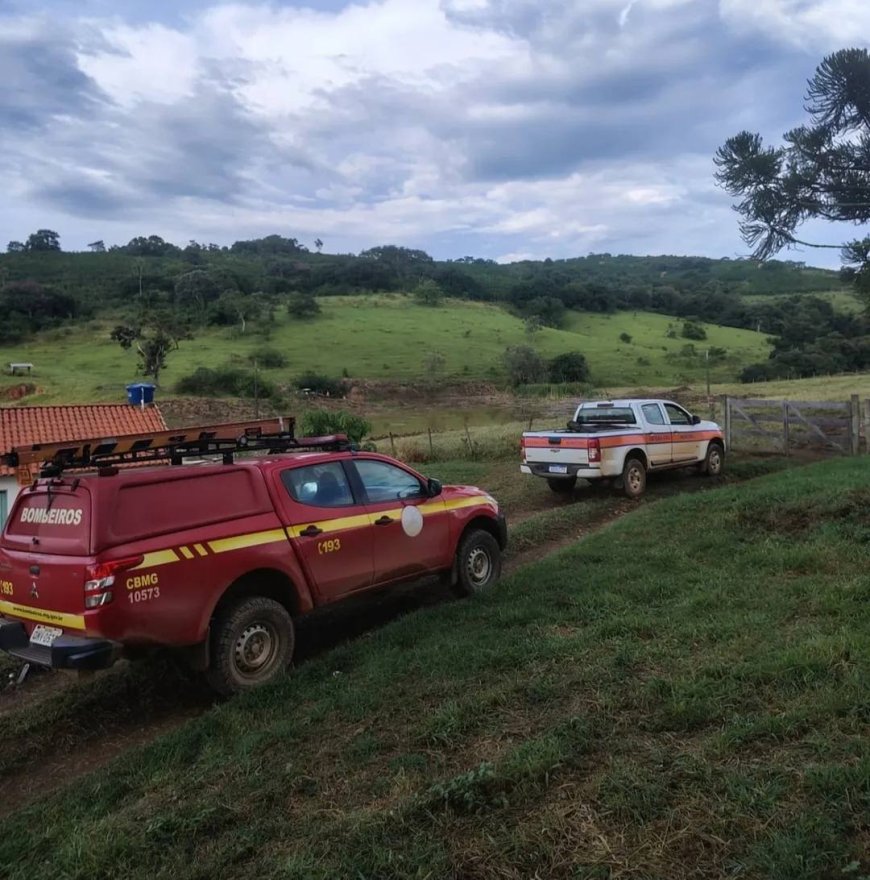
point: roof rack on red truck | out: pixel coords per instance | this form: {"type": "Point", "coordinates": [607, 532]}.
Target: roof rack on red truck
{"type": "Point", "coordinates": [218, 557]}
{"type": "Point", "coordinates": [226, 439]}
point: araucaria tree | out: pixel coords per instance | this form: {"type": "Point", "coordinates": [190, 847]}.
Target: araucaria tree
{"type": "Point", "coordinates": [822, 170]}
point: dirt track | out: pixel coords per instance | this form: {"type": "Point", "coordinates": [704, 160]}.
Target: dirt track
{"type": "Point", "coordinates": [90, 722]}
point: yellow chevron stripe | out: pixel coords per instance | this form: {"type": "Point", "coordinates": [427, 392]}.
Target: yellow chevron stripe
{"type": "Point", "coordinates": [240, 542]}
{"type": "Point", "coordinates": [55, 618]}
{"type": "Point", "coordinates": [186, 552]}
{"type": "Point", "coordinates": [159, 557]}
{"type": "Point", "coordinates": [200, 549]}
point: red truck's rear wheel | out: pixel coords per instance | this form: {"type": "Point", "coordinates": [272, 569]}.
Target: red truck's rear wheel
{"type": "Point", "coordinates": [251, 642]}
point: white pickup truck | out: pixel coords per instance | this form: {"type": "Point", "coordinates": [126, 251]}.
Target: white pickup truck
{"type": "Point", "coordinates": [620, 441]}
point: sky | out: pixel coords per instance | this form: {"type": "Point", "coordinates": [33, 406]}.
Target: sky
{"type": "Point", "coordinates": [505, 129]}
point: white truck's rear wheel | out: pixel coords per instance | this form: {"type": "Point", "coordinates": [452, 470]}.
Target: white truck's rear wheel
{"type": "Point", "coordinates": [634, 478]}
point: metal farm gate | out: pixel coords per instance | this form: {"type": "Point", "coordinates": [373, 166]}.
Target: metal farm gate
{"type": "Point", "coordinates": [786, 426]}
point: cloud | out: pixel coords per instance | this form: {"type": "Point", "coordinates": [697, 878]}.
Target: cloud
{"type": "Point", "coordinates": [814, 25]}
{"type": "Point", "coordinates": [41, 76]}
{"type": "Point", "coordinates": [487, 127]}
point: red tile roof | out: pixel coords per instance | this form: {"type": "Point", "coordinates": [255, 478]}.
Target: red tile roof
{"type": "Point", "coordinates": [22, 425]}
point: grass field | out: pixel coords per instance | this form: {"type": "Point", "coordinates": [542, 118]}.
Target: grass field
{"type": "Point", "coordinates": [652, 353]}
{"type": "Point", "coordinates": [843, 300]}
{"type": "Point", "coordinates": [386, 337]}
{"type": "Point", "coordinates": [683, 694]}
{"type": "Point", "coordinates": [839, 387]}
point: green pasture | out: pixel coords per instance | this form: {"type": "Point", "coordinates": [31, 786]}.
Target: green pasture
{"type": "Point", "coordinates": [682, 694]}
{"type": "Point", "coordinates": [843, 300]}
{"type": "Point", "coordinates": [387, 337]}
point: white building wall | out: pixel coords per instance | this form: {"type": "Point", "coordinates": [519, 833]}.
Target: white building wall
{"type": "Point", "coordinates": [9, 486]}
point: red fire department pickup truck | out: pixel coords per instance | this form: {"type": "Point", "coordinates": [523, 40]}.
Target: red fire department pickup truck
{"type": "Point", "coordinates": [219, 558]}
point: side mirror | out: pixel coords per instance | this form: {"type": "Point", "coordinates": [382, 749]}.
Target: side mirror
{"type": "Point", "coordinates": [434, 487]}
{"type": "Point", "coordinates": [696, 420]}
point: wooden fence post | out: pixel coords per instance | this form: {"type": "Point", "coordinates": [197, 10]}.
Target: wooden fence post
{"type": "Point", "coordinates": [392, 444]}
{"type": "Point", "coordinates": [431, 446]}
{"type": "Point", "coordinates": [855, 425]}
{"type": "Point", "coordinates": [727, 423]}
{"type": "Point", "coordinates": [865, 426]}
{"type": "Point", "coordinates": [785, 427]}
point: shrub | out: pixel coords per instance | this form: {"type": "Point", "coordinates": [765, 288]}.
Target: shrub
{"type": "Point", "coordinates": [755, 373]}
{"type": "Point", "coordinates": [569, 367]}
{"type": "Point", "coordinates": [319, 422]}
{"type": "Point", "coordinates": [428, 293]}
{"type": "Point", "coordinates": [523, 364]}
{"type": "Point", "coordinates": [225, 382]}
{"type": "Point", "coordinates": [302, 305]}
{"type": "Point", "coordinates": [269, 359]}
{"type": "Point", "coordinates": [549, 310]}
{"type": "Point", "coordinates": [625, 337]}
{"type": "Point", "coordinates": [693, 330]}
{"type": "Point", "coordinates": [320, 384]}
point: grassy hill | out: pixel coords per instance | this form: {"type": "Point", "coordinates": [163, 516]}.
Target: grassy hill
{"type": "Point", "coordinates": [386, 336]}
{"type": "Point", "coordinates": [842, 299]}
{"type": "Point", "coordinates": [683, 694]}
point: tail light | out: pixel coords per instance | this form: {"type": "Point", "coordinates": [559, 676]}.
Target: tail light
{"type": "Point", "coordinates": [594, 451]}
{"type": "Point", "coordinates": [100, 578]}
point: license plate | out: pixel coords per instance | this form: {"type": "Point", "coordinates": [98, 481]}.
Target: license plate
{"type": "Point", "coordinates": [44, 635]}
{"type": "Point", "coordinates": [558, 468]}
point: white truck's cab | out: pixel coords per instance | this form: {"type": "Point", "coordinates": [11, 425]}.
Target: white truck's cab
{"type": "Point", "coordinates": [621, 440]}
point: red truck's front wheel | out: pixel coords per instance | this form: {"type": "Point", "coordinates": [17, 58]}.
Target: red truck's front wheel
{"type": "Point", "coordinates": [251, 642]}
{"type": "Point", "coordinates": [478, 563]}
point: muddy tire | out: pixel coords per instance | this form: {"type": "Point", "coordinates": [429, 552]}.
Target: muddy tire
{"type": "Point", "coordinates": [563, 486]}
{"type": "Point", "coordinates": [478, 563]}
{"type": "Point", "coordinates": [252, 643]}
{"type": "Point", "coordinates": [633, 478]}
{"type": "Point", "coordinates": [714, 461]}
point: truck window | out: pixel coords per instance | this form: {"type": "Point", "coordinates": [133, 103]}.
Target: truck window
{"type": "Point", "coordinates": [58, 521]}
{"type": "Point", "coordinates": [3, 507]}
{"type": "Point", "coordinates": [605, 415]}
{"type": "Point", "coordinates": [318, 485]}
{"type": "Point", "coordinates": [386, 482]}
{"type": "Point", "coordinates": [652, 412]}
{"type": "Point", "coordinates": [677, 415]}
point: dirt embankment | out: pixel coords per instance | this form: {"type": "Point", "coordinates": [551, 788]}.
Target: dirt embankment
{"type": "Point", "coordinates": [359, 396]}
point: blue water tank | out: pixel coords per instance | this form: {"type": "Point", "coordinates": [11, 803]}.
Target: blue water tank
{"type": "Point", "coordinates": [140, 394]}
